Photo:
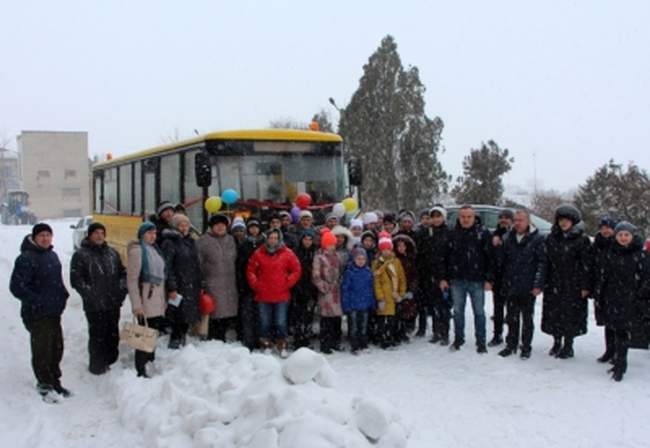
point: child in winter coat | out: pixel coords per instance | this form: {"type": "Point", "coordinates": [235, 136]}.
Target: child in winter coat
{"type": "Point", "coordinates": [407, 309]}
{"type": "Point", "coordinates": [358, 298]}
{"type": "Point", "coordinates": [326, 276]}
{"type": "Point", "coordinates": [390, 287]}
{"type": "Point", "coordinates": [303, 303]}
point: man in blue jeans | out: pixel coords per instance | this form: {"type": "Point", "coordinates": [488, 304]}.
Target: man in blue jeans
{"type": "Point", "coordinates": [468, 271]}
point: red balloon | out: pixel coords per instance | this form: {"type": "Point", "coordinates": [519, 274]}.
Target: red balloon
{"type": "Point", "coordinates": [303, 200]}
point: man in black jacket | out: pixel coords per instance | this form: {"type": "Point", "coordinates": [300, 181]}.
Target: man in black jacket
{"type": "Point", "coordinates": [98, 275]}
{"type": "Point", "coordinates": [38, 283]}
{"type": "Point", "coordinates": [524, 263]}
{"type": "Point", "coordinates": [468, 261]}
{"type": "Point", "coordinates": [498, 296]}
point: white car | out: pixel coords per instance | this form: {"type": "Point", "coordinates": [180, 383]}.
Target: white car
{"type": "Point", "coordinates": [79, 231]}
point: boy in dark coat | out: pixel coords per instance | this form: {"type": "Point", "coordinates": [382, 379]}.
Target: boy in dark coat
{"type": "Point", "coordinates": [358, 298]}
{"type": "Point", "coordinates": [248, 313]}
{"type": "Point", "coordinates": [37, 282]}
{"type": "Point", "coordinates": [98, 275]}
{"type": "Point", "coordinates": [621, 287]}
{"type": "Point", "coordinates": [564, 310]}
{"type": "Point", "coordinates": [524, 266]}
{"type": "Point", "coordinates": [304, 295]}
{"type": "Point", "coordinates": [603, 241]}
{"type": "Point", "coordinates": [435, 245]}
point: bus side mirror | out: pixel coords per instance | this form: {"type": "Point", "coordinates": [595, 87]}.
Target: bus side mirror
{"type": "Point", "coordinates": [355, 175]}
{"type": "Point", "coordinates": [202, 170]}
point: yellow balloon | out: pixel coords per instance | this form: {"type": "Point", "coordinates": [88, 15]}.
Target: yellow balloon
{"type": "Point", "coordinates": [350, 204]}
{"type": "Point", "coordinates": [213, 204]}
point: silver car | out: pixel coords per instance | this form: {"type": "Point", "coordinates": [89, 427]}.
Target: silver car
{"type": "Point", "coordinates": [80, 231]}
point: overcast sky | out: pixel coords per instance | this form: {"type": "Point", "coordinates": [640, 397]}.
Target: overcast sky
{"type": "Point", "coordinates": [568, 80]}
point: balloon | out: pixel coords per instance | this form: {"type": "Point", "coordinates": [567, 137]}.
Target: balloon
{"type": "Point", "coordinates": [213, 204]}
{"type": "Point", "coordinates": [303, 200]}
{"type": "Point", "coordinates": [295, 214]}
{"type": "Point", "coordinates": [229, 196]}
{"type": "Point", "coordinates": [350, 204]}
{"type": "Point", "coordinates": [338, 210]}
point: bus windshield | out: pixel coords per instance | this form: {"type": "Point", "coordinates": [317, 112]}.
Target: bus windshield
{"type": "Point", "coordinates": [279, 178]}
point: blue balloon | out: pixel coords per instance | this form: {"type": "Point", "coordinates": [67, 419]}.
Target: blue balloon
{"type": "Point", "coordinates": [229, 196]}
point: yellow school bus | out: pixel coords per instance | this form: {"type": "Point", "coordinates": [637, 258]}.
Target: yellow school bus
{"type": "Point", "coordinates": [268, 168]}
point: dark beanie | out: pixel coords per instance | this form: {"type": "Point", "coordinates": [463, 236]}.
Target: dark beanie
{"type": "Point", "coordinates": [218, 218]}
{"type": "Point", "coordinates": [625, 226]}
{"type": "Point", "coordinates": [41, 227]}
{"type": "Point", "coordinates": [164, 205]}
{"type": "Point", "coordinates": [507, 213]}
{"type": "Point", "coordinates": [607, 221]}
{"type": "Point", "coordinates": [95, 226]}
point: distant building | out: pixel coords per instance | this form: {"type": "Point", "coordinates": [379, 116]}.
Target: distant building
{"type": "Point", "coordinates": [55, 171]}
{"type": "Point", "coordinates": [9, 172]}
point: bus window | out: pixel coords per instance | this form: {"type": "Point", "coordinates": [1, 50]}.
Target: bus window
{"type": "Point", "coordinates": [137, 188]}
{"type": "Point", "coordinates": [193, 199]}
{"type": "Point", "coordinates": [229, 172]}
{"type": "Point", "coordinates": [98, 192]}
{"type": "Point", "coordinates": [125, 190]}
{"type": "Point", "coordinates": [149, 193]}
{"type": "Point", "coordinates": [110, 191]}
{"type": "Point", "coordinates": [170, 178]}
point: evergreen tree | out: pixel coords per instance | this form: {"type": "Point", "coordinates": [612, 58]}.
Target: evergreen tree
{"type": "Point", "coordinates": [612, 190]}
{"type": "Point", "coordinates": [482, 179]}
{"type": "Point", "coordinates": [386, 128]}
{"type": "Point", "coordinates": [323, 120]}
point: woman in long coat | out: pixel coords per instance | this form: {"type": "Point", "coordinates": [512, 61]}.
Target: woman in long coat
{"type": "Point", "coordinates": [218, 257]}
{"type": "Point", "coordinates": [304, 294]}
{"type": "Point", "coordinates": [620, 291]}
{"type": "Point", "coordinates": [564, 311]}
{"type": "Point", "coordinates": [145, 280]}
{"type": "Point", "coordinates": [183, 278]}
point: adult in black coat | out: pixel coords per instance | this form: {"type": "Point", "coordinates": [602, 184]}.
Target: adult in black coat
{"type": "Point", "coordinates": [248, 312]}
{"type": "Point", "coordinates": [499, 297]}
{"type": "Point", "coordinates": [98, 275]}
{"type": "Point", "coordinates": [602, 244]}
{"type": "Point", "coordinates": [564, 311]}
{"type": "Point", "coordinates": [183, 281]}
{"type": "Point", "coordinates": [620, 291]}
{"type": "Point", "coordinates": [304, 296]}
{"type": "Point", "coordinates": [523, 264]}
{"type": "Point", "coordinates": [436, 245]}
{"type": "Point", "coordinates": [469, 272]}
{"type": "Point", "coordinates": [37, 282]}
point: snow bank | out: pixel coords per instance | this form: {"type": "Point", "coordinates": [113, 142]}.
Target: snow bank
{"type": "Point", "coordinates": [218, 395]}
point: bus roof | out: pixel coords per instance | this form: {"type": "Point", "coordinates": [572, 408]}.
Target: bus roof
{"type": "Point", "coordinates": [297, 135]}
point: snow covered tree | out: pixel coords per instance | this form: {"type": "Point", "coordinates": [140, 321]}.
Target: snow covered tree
{"type": "Point", "coordinates": [544, 203]}
{"type": "Point", "coordinates": [287, 123]}
{"type": "Point", "coordinates": [482, 179]}
{"type": "Point", "coordinates": [613, 190]}
{"type": "Point", "coordinates": [386, 128]}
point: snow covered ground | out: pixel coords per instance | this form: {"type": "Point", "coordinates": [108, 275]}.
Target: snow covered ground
{"type": "Point", "coordinates": [211, 394]}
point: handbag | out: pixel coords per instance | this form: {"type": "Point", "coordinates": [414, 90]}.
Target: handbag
{"type": "Point", "coordinates": [139, 337]}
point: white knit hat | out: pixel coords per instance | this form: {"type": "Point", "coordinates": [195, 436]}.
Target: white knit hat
{"type": "Point", "coordinates": [440, 210]}
{"type": "Point", "coordinates": [356, 223]}
{"type": "Point", "coordinates": [370, 218]}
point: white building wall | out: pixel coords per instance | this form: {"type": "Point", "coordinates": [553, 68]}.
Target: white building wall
{"type": "Point", "coordinates": [55, 172]}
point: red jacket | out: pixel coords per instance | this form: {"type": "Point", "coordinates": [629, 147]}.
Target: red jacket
{"type": "Point", "coordinates": [271, 276]}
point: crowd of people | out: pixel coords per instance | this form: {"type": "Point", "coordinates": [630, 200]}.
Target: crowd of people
{"type": "Point", "coordinates": [386, 273]}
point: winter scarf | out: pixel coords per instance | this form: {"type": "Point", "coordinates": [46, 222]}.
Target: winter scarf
{"type": "Point", "coordinates": [153, 264]}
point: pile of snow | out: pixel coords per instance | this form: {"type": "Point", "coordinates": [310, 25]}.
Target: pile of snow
{"type": "Point", "coordinates": [218, 395]}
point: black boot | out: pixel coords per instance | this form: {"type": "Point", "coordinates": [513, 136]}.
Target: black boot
{"type": "Point", "coordinates": [435, 338]}
{"type": "Point", "coordinates": [606, 357]}
{"type": "Point", "coordinates": [557, 346]}
{"type": "Point", "coordinates": [496, 340]}
{"type": "Point", "coordinates": [458, 343]}
{"type": "Point", "coordinates": [567, 350]}
{"type": "Point", "coordinates": [525, 352]}
{"type": "Point", "coordinates": [480, 348]}
{"type": "Point", "coordinates": [508, 351]}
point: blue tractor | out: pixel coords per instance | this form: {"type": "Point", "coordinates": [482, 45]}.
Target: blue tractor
{"type": "Point", "coordinates": [15, 208]}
